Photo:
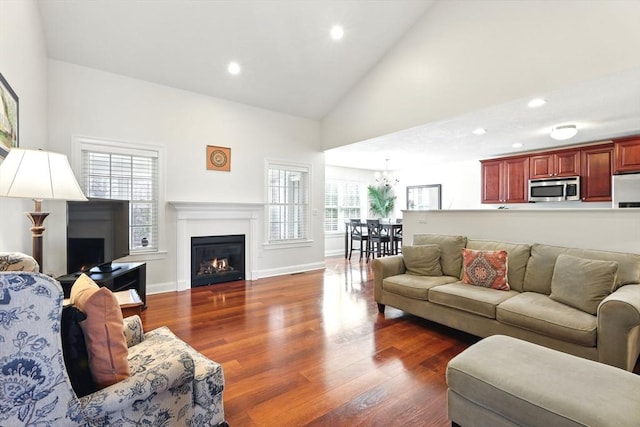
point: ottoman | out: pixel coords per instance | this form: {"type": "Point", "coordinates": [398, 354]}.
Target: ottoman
{"type": "Point", "coordinates": [504, 381]}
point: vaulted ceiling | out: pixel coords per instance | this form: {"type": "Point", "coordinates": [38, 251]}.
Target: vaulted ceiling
{"type": "Point", "coordinates": [289, 62]}
{"type": "Point", "coordinates": [291, 65]}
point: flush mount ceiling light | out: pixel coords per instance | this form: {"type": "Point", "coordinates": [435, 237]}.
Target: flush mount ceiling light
{"type": "Point", "coordinates": [563, 132]}
{"type": "Point", "coordinates": [517, 144]}
{"type": "Point", "coordinates": [479, 131]}
{"type": "Point", "coordinates": [233, 68]}
{"type": "Point", "coordinates": [536, 102]}
{"type": "Point", "coordinates": [337, 32]}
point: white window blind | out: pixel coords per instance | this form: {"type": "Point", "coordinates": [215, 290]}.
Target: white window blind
{"type": "Point", "coordinates": [113, 173]}
{"type": "Point", "coordinates": [341, 203]}
{"type": "Point", "coordinates": [331, 206]}
{"type": "Point", "coordinates": [287, 203]}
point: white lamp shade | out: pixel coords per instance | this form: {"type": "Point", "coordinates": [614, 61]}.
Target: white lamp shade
{"type": "Point", "coordinates": [38, 174]}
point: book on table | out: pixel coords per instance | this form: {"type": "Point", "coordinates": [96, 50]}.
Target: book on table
{"type": "Point", "coordinates": [128, 298]}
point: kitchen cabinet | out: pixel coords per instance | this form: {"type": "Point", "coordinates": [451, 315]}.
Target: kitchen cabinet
{"type": "Point", "coordinates": [596, 171]}
{"type": "Point", "coordinates": [627, 155]}
{"type": "Point", "coordinates": [505, 180]}
{"type": "Point", "coordinates": [560, 164]}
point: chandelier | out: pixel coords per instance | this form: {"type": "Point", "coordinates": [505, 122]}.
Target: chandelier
{"type": "Point", "coordinates": [385, 177]}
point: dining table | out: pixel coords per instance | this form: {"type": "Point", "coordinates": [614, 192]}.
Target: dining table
{"type": "Point", "coordinates": [393, 229]}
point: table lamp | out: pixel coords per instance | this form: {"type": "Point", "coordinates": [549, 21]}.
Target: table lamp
{"type": "Point", "coordinates": [38, 175]}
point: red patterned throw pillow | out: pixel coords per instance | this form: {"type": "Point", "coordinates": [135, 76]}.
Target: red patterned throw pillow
{"type": "Point", "coordinates": [485, 268]}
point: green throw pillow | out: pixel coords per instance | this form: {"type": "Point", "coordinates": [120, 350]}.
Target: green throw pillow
{"type": "Point", "coordinates": [582, 283]}
{"type": "Point", "coordinates": [423, 260]}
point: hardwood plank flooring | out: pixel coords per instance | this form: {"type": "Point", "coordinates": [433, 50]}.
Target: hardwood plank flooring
{"type": "Point", "coordinates": [311, 349]}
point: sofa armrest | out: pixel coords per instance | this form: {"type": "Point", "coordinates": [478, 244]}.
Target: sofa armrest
{"type": "Point", "coordinates": [133, 331]}
{"type": "Point", "coordinates": [386, 267]}
{"type": "Point", "coordinates": [619, 327]}
{"type": "Point", "coordinates": [159, 385]}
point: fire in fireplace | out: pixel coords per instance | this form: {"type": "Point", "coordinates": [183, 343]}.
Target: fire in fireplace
{"type": "Point", "coordinates": [215, 266]}
{"type": "Point", "coordinates": [217, 259]}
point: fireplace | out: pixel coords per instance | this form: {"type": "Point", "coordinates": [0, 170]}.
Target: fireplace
{"type": "Point", "coordinates": [217, 259]}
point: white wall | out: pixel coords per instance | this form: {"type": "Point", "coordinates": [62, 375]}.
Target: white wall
{"type": "Point", "coordinates": [603, 229]}
{"type": "Point", "coordinates": [93, 103]}
{"type": "Point", "coordinates": [462, 56]}
{"type": "Point", "coordinates": [23, 63]}
{"type": "Point", "coordinates": [460, 183]}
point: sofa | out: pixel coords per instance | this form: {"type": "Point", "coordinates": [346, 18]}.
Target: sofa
{"type": "Point", "coordinates": [167, 382]}
{"type": "Point", "coordinates": [578, 301]}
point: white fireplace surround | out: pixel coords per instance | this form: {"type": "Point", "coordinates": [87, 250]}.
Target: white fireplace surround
{"type": "Point", "coordinates": [214, 219]}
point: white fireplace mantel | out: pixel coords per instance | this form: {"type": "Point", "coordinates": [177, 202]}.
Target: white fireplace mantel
{"type": "Point", "coordinates": [214, 218]}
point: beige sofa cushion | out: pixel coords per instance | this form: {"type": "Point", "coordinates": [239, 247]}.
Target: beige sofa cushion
{"type": "Point", "coordinates": [539, 313]}
{"type": "Point", "coordinates": [450, 251]}
{"type": "Point", "coordinates": [416, 287]}
{"type": "Point", "coordinates": [422, 260]}
{"type": "Point", "coordinates": [539, 271]}
{"type": "Point", "coordinates": [582, 283]}
{"type": "Point", "coordinates": [517, 258]}
{"type": "Point", "coordinates": [473, 299]}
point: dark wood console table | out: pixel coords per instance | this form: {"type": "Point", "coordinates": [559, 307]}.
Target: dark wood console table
{"type": "Point", "coordinates": [131, 275]}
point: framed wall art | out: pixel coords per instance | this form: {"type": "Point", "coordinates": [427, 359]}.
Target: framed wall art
{"type": "Point", "coordinates": [8, 117]}
{"type": "Point", "coordinates": [218, 158]}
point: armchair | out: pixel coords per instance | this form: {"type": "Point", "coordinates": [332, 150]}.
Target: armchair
{"type": "Point", "coordinates": [170, 382]}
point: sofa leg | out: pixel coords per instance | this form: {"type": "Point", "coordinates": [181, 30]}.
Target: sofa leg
{"type": "Point", "coordinates": [381, 308]}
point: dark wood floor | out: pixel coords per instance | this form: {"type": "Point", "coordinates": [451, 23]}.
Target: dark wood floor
{"type": "Point", "coordinates": [311, 349]}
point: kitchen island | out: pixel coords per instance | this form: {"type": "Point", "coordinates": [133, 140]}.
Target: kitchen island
{"type": "Point", "coordinates": [605, 229]}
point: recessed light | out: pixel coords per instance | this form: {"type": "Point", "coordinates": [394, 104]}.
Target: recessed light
{"type": "Point", "coordinates": [479, 131]}
{"type": "Point", "coordinates": [234, 68]}
{"type": "Point", "coordinates": [517, 144]}
{"type": "Point", "coordinates": [563, 132]}
{"type": "Point", "coordinates": [337, 32]}
{"type": "Point", "coordinates": [536, 102]}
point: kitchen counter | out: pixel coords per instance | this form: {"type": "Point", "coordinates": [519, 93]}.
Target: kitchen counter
{"type": "Point", "coordinates": [599, 228]}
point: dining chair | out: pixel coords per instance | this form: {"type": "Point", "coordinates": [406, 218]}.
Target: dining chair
{"type": "Point", "coordinates": [379, 239]}
{"type": "Point", "coordinates": [358, 234]}
{"type": "Point", "coordinates": [397, 238]}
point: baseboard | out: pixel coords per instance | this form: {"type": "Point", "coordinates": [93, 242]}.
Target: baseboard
{"type": "Point", "coordinates": [290, 269]}
{"type": "Point", "coordinates": [159, 288]}
{"type": "Point", "coordinates": [335, 252]}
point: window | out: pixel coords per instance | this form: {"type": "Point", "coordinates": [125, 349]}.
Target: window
{"type": "Point", "coordinates": [118, 172]}
{"type": "Point", "coordinates": [287, 203]}
{"type": "Point", "coordinates": [341, 203]}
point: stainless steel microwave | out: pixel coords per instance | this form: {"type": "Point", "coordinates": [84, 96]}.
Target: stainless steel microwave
{"type": "Point", "coordinates": [554, 189]}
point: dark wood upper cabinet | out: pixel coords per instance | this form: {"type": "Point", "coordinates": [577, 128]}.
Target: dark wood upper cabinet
{"type": "Point", "coordinates": [563, 163]}
{"type": "Point", "coordinates": [627, 155]}
{"type": "Point", "coordinates": [597, 168]}
{"type": "Point", "coordinates": [492, 176]}
{"type": "Point", "coordinates": [505, 180]}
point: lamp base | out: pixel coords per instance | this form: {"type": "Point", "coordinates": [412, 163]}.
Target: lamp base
{"type": "Point", "coordinates": [37, 219]}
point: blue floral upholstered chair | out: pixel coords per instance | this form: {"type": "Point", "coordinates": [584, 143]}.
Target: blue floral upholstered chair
{"type": "Point", "coordinates": [171, 384]}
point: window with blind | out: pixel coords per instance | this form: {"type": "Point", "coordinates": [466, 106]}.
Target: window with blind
{"type": "Point", "coordinates": [341, 203]}
{"type": "Point", "coordinates": [114, 172]}
{"type": "Point", "coordinates": [287, 203]}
